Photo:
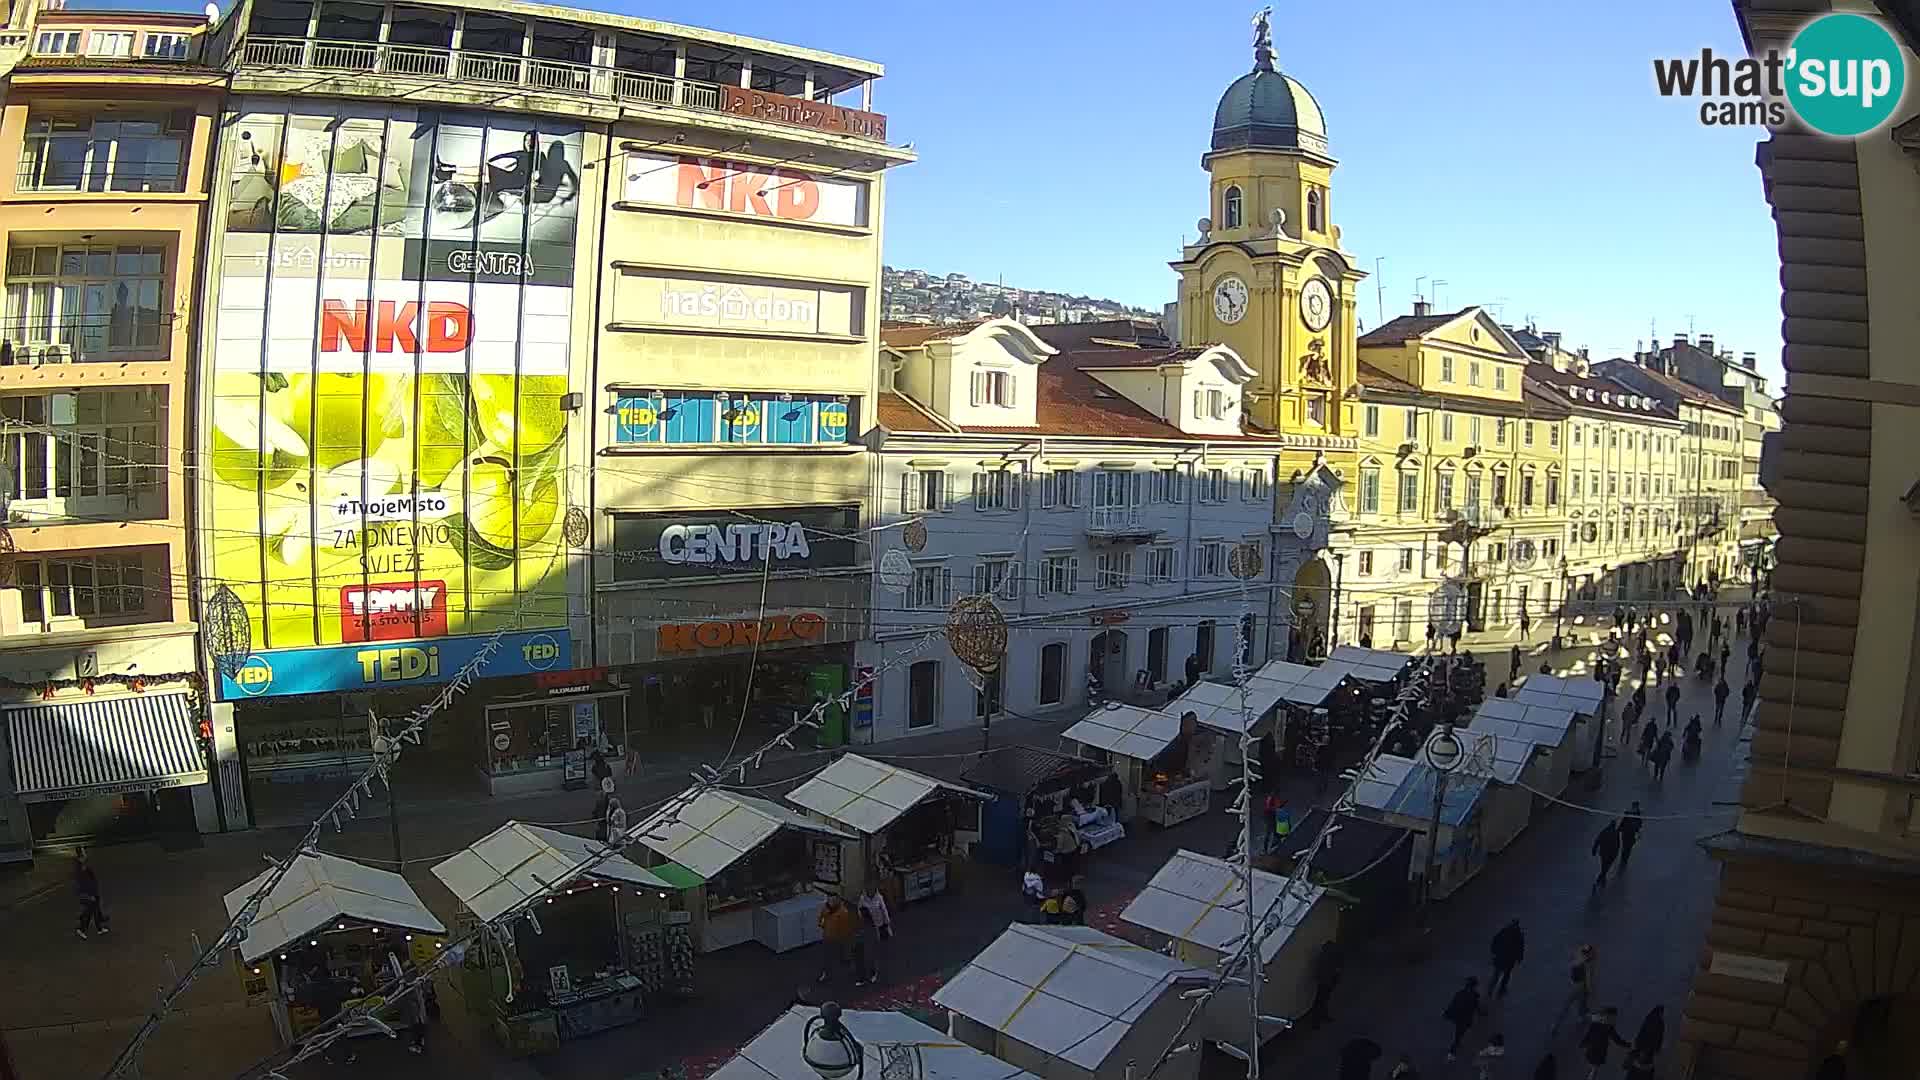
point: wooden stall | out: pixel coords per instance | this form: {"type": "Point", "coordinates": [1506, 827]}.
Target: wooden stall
{"type": "Point", "coordinates": [1550, 727]}
{"type": "Point", "coordinates": [906, 823]}
{"type": "Point", "coordinates": [888, 1041]}
{"type": "Point", "coordinates": [1400, 792]}
{"type": "Point", "coordinates": [1150, 751]}
{"type": "Point", "coordinates": [1581, 695]}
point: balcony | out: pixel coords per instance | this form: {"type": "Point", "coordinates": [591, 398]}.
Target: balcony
{"type": "Point", "coordinates": [129, 336]}
{"type": "Point", "coordinates": [1120, 524]}
{"type": "Point", "coordinates": [610, 85]}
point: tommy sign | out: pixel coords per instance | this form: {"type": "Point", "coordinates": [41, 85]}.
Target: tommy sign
{"type": "Point", "coordinates": [679, 544]}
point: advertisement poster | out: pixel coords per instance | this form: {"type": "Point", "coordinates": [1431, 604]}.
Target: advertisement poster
{"type": "Point", "coordinates": [388, 444]}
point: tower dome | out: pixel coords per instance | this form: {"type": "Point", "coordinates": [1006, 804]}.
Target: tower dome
{"type": "Point", "coordinates": [1266, 109]}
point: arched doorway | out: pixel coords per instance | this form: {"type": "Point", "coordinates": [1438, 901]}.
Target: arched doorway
{"type": "Point", "coordinates": [1107, 661]}
{"type": "Point", "coordinates": [1311, 604]}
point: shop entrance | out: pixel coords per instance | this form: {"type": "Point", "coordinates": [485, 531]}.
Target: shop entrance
{"type": "Point", "coordinates": [1107, 661]}
{"type": "Point", "coordinates": [688, 710]}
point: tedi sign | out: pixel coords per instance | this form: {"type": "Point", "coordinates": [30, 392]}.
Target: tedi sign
{"type": "Point", "coordinates": [1844, 75]}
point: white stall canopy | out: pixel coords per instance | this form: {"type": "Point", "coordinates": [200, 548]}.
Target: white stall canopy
{"type": "Point", "coordinates": [867, 795]}
{"type": "Point", "coordinates": [516, 862]}
{"type": "Point", "coordinates": [1499, 750]}
{"type": "Point", "coordinates": [775, 1054]}
{"type": "Point", "coordinates": [1218, 705]}
{"type": "Point", "coordinates": [719, 828]}
{"type": "Point", "coordinates": [1314, 690]}
{"type": "Point", "coordinates": [1071, 992]}
{"type": "Point", "coordinates": [1579, 694]}
{"type": "Point", "coordinates": [1127, 730]}
{"type": "Point", "coordinates": [322, 889]}
{"type": "Point", "coordinates": [1546, 724]}
{"type": "Point", "coordinates": [1372, 665]}
{"type": "Point", "coordinates": [1200, 899]}
{"type": "Point", "coordinates": [1401, 787]}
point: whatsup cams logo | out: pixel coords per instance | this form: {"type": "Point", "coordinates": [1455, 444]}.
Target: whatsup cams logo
{"type": "Point", "coordinates": [1843, 75]}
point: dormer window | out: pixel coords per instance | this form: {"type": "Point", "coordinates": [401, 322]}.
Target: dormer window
{"type": "Point", "coordinates": [1209, 405]}
{"type": "Point", "coordinates": [993, 388]}
{"type": "Point", "coordinates": [1316, 211]}
{"type": "Point", "coordinates": [1231, 211]}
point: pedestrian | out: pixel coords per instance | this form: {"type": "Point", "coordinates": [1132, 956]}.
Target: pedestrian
{"type": "Point", "coordinates": [879, 925]}
{"type": "Point", "coordinates": [616, 820]}
{"type": "Point", "coordinates": [598, 767]}
{"type": "Point", "coordinates": [1329, 964]}
{"type": "Point", "coordinates": [838, 928]}
{"type": "Point", "coordinates": [1283, 817]}
{"type": "Point", "coordinates": [1357, 1058]}
{"type": "Point", "coordinates": [1548, 1069]}
{"type": "Point", "coordinates": [1513, 664]}
{"type": "Point", "coordinates": [1509, 948]}
{"type": "Point", "coordinates": [1673, 704]}
{"type": "Point", "coordinates": [1726, 651]}
{"type": "Point", "coordinates": [1652, 1034]}
{"type": "Point", "coordinates": [1073, 902]}
{"type": "Point", "coordinates": [1453, 640]}
{"type": "Point", "coordinates": [1630, 825]}
{"type": "Point", "coordinates": [1740, 620]}
{"type": "Point", "coordinates": [602, 804]}
{"type": "Point", "coordinates": [1404, 1070]}
{"type": "Point", "coordinates": [1720, 692]}
{"type": "Point", "coordinates": [1432, 636]}
{"type": "Point", "coordinates": [1747, 693]}
{"type": "Point", "coordinates": [1490, 1055]}
{"type": "Point", "coordinates": [1606, 847]}
{"type": "Point", "coordinates": [1033, 890]}
{"type": "Point", "coordinates": [1640, 699]}
{"type": "Point", "coordinates": [1834, 1067]}
{"type": "Point", "coordinates": [1649, 737]}
{"type": "Point", "coordinates": [1662, 754]}
{"type": "Point", "coordinates": [1673, 659]}
{"type": "Point", "coordinates": [1546, 666]}
{"type": "Point", "coordinates": [1526, 622]}
{"type": "Point", "coordinates": [1500, 691]}
{"type": "Point", "coordinates": [1599, 1040]}
{"type": "Point", "coordinates": [86, 889]}
{"type": "Point", "coordinates": [1461, 1011]}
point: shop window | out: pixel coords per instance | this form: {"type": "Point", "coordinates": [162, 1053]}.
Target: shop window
{"type": "Point", "coordinates": [923, 694]}
{"type": "Point", "coordinates": [1053, 673]}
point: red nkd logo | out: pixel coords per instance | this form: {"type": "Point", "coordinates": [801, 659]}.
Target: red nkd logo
{"type": "Point", "coordinates": [393, 612]}
{"type": "Point", "coordinates": [780, 193]}
{"type": "Point", "coordinates": [398, 326]}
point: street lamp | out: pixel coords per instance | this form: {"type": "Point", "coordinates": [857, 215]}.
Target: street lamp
{"type": "Point", "coordinates": [829, 1049]}
{"type": "Point", "coordinates": [1445, 755]}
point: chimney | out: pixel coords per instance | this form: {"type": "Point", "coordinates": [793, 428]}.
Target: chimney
{"type": "Point", "coordinates": [1706, 344]}
{"type": "Point", "coordinates": [1746, 358]}
{"type": "Point", "coordinates": [1421, 307]}
{"type": "Point", "coordinates": [1583, 352]}
{"type": "Point", "coordinates": [1552, 338]}
{"type": "Point", "coordinates": [1679, 340]}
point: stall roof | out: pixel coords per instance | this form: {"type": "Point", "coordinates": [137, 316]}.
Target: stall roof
{"type": "Point", "coordinates": [1547, 724]}
{"type": "Point", "coordinates": [1497, 749]}
{"type": "Point", "coordinates": [1201, 899]}
{"type": "Point", "coordinates": [321, 888]}
{"type": "Point", "coordinates": [1581, 694]}
{"type": "Point", "coordinates": [1404, 787]}
{"type": "Point", "coordinates": [517, 861]}
{"type": "Point", "coordinates": [1361, 844]}
{"type": "Point", "coordinates": [774, 1054]}
{"type": "Point", "coordinates": [1128, 730]}
{"type": "Point", "coordinates": [1072, 992]}
{"type": "Point", "coordinates": [1014, 769]}
{"type": "Point", "coordinates": [1319, 684]}
{"type": "Point", "coordinates": [868, 795]}
{"type": "Point", "coordinates": [1373, 665]}
{"type": "Point", "coordinates": [1217, 705]}
{"type": "Point", "coordinates": [719, 827]}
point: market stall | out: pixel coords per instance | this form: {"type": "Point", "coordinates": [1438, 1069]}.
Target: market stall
{"type": "Point", "coordinates": [1400, 791]}
{"type": "Point", "coordinates": [324, 934]}
{"type": "Point", "coordinates": [1229, 713]}
{"type": "Point", "coordinates": [1369, 866]}
{"type": "Point", "coordinates": [884, 1039]}
{"type": "Point", "coordinates": [1580, 695]}
{"type": "Point", "coordinates": [1033, 813]}
{"type": "Point", "coordinates": [1318, 709]}
{"type": "Point", "coordinates": [763, 870]}
{"type": "Point", "coordinates": [1151, 752]}
{"type": "Point", "coordinates": [1199, 903]}
{"type": "Point", "coordinates": [1379, 666]}
{"type": "Point", "coordinates": [1550, 727]}
{"type": "Point", "coordinates": [1072, 1003]}
{"type": "Point", "coordinates": [608, 942]}
{"type": "Point", "coordinates": [906, 822]}
{"type": "Point", "coordinates": [1503, 757]}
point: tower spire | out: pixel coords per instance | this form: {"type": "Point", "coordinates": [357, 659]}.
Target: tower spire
{"type": "Point", "coordinates": [1263, 40]}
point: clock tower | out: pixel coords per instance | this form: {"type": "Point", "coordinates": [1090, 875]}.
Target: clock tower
{"type": "Point", "coordinates": [1267, 275]}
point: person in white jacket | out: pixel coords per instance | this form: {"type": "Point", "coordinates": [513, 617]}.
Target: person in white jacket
{"type": "Point", "coordinates": [877, 927]}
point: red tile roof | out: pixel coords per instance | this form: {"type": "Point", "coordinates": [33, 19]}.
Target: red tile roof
{"type": "Point", "coordinates": [1679, 388]}
{"type": "Point", "coordinates": [898, 412]}
{"type": "Point", "coordinates": [909, 335]}
{"type": "Point", "coordinates": [1380, 380]}
{"type": "Point", "coordinates": [1557, 382]}
{"type": "Point", "coordinates": [1407, 327]}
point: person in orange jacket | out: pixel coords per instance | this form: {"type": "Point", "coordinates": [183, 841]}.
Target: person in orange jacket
{"type": "Point", "coordinates": [839, 926]}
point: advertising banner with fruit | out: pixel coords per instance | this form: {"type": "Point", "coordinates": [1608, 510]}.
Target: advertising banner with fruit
{"type": "Point", "coordinates": [387, 438]}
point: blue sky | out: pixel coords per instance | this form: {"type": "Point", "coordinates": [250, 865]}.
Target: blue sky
{"type": "Point", "coordinates": [1515, 149]}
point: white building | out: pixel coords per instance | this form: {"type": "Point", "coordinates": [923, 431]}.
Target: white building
{"type": "Point", "coordinates": [1097, 493]}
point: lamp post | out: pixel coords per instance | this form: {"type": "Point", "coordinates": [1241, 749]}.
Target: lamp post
{"type": "Point", "coordinates": [1444, 755]}
{"type": "Point", "coordinates": [829, 1049]}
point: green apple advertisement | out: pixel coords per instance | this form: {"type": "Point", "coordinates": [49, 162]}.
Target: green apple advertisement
{"type": "Point", "coordinates": [387, 438]}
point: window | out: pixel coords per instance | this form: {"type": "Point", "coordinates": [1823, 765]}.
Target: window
{"type": "Point", "coordinates": [1413, 425]}
{"type": "Point", "coordinates": [1526, 434]}
{"type": "Point", "coordinates": [1231, 210]}
{"type": "Point", "coordinates": [1499, 489]}
{"type": "Point", "coordinates": [1316, 211]}
{"type": "Point", "coordinates": [1440, 557]}
{"type": "Point", "coordinates": [1053, 673]}
{"type": "Point", "coordinates": [1366, 564]}
{"type": "Point", "coordinates": [1593, 485]}
{"type": "Point", "coordinates": [110, 43]}
{"type": "Point", "coordinates": [1549, 547]}
{"type": "Point", "coordinates": [1317, 409]}
{"type": "Point", "coordinates": [1406, 560]}
{"type": "Point", "coordinates": [1060, 489]}
{"type": "Point", "coordinates": [923, 694]}
{"type": "Point", "coordinates": [57, 43]}
{"type": "Point", "coordinates": [1613, 485]}
{"type": "Point", "coordinates": [1613, 439]}
{"type": "Point", "coordinates": [86, 454]}
{"type": "Point", "coordinates": [1254, 484]}
{"type": "Point", "coordinates": [996, 489]}
{"type": "Point", "coordinates": [1473, 488]}
{"type": "Point", "coordinates": [1500, 432]}
{"type": "Point", "coordinates": [1211, 559]}
{"type": "Point", "coordinates": [1576, 434]}
{"type": "Point", "coordinates": [1170, 487]}
{"type": "Point", "coordinates": [1446, 369]}
{"type": "Point", "coordinates": [1443, 490]}
{"type": "Point", "coordinates": [1473, 431]}
{"type": "Point", "coordinates": [932, 588]}
{"type": "Point", "coordinates": [1409, 491]}
{"type": "Point", "coordinates": [1112, 569]}
{"type": "Point", "coordinates": [923, 491]}
{"type": "Point", "coordinates": [702, 417]}
{"type": "Point", "coordinates": [1369, 491]}
{"type": "Point", "coordinates": [1553, 436]}
{"type": "Point", "coordinates": [997, 575]}
{"type": "Point", "coordinates": [1402, 620]}
{"type": "Point", "coordinates": [1499, 377]}
{"type": "Point", "coordinates": [1209, 405]}
{"type": "Point", "coordinates": [1059, 574]}
{"type": "Point", "coordinates": [993, 388]}
{"type": "Point", "coordinates": [1446, 427]}
{"type": "Point", "coordinates": [79, 304]}
{"type": "Point", "coordinates": [1526, 490]}
{"type": "Point", "coordinates": [1373, 421]}
{"type": "Point", "coordinates": [1213, 486]}
{"type": "Point", "coordinates": [164, 46]}
{"type": "Point", "coordinates": [1163, 564]}
{"type": "Point", "coordinates": [1473, 373]}
{"type": "Point", "coordinates": [109, 152]}
{"type": "Point", "coordinates": [95, 588]}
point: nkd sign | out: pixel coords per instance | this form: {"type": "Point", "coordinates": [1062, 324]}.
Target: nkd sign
{"type": "Point", "coordinates": [672, 544]}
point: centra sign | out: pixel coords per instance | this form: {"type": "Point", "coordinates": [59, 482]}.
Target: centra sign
{"type": "Point", "coordinates": [733, 543]}
{"type": "Point", "coordinates": [657, 545]}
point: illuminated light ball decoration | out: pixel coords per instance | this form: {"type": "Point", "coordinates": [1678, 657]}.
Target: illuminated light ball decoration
{"type": "Point", "coordinates": [228, 630]}
{"type": "Point", "coordinates": [577, 528]}
{"type": "Point", "coordinates": [977, 632]}
{"type": "Point", "coordinates": [914, 535]}
{"type": "Point", "coordinates": [1243, 561]}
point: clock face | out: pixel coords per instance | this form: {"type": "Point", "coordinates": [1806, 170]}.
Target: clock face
{"type": "Point", "coordinates": [1316, 304]}
{"type": "Point", "coordinates": [1230, 300]}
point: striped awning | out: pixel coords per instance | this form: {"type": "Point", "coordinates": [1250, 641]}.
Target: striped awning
{"type": "Point", "coordinates": [143, 742]}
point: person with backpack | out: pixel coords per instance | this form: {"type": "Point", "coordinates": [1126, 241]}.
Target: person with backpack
{"type": "Point", "coordinates": [1462, 1010]}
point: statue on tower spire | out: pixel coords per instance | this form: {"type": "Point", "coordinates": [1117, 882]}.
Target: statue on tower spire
{"type": "Point", "coordinates": [1263, 40]}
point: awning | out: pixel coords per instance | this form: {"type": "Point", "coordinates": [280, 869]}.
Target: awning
{"type": "Point", "coordinates": [1218, 705]}
{"type": "Point", "coordinates": [517, 861]}
{"type": "Point", "coordinates": [719, 827]}
{"type": "Point", "coordinates": [143, 742]}
{"type": "Point", "coordinates": [1201, 899]}
{"type": "Point", "coordinates": [1314, 689]}
{"type": "Point", "coordinates": [1127, 730]}
{"type": "Point", "coordinates": [321, 889]}
{"type": "Point", "coordinates": [1373, 665]}
{"type": "Point", "coordinates": [868, 795]}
